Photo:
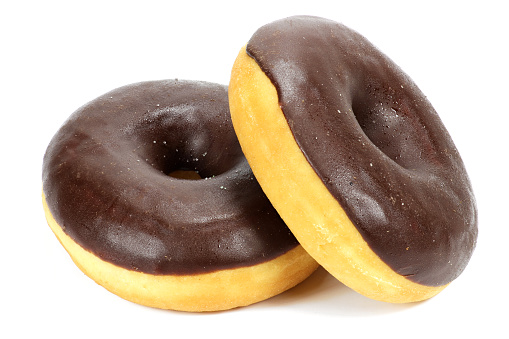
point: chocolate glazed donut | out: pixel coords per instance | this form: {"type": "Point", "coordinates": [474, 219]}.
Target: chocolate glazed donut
{"type": "Point", "coordinates": [112, 201]}
{"type": "Point", "coordinates": [375, 143]}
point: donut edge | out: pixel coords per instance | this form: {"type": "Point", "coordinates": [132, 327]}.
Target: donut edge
{"type": "Point", "coordinates": [301, 198]}
{"type": "Point", "coordinates": [215, 291]}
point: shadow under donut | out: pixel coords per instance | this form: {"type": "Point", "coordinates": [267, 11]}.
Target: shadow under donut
{"type": "Point", "coordinates": [322, 294]}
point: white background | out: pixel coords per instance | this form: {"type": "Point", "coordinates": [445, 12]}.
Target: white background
{"type": "Point", "coordinates": [56, 56]}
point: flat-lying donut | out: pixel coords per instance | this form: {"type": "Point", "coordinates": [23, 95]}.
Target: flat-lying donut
{"type": "Point", "coordinates": [354, 158]}
{"type": "Point", "coordinates": [145, 234]}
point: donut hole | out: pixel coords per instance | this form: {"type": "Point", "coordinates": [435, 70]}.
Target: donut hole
{"type": "Point", "coordinates": [185, 174]}
{"type": "Point", "coordinates": [189, 166]}
{"type": "Point", "coordinates": [191, 153]}
{"type": "Point", "coordinates": [185, 171]}
{"type": "Point", "coordinates": [379, 125]}
{"type": "Point", "coordinates": [383, 116]}
{"type": "Point", "coordinates": [172, 165]}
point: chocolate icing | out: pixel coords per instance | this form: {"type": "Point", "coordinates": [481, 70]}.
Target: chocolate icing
{"type": "Point", "coordinates": [376, 143]}
{"type": "Point", "coordinates": [106, 184]}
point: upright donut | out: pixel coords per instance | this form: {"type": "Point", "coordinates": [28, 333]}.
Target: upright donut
{"type": "Point", "coordinates": [129, 223]}
{"type": "Point", "coordinates": [354, 158]}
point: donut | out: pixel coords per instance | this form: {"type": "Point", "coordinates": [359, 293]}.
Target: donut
{"type": "Point", "coordinates": [147, 189]}
{"type": "Point", "coordinates": [354, 158]}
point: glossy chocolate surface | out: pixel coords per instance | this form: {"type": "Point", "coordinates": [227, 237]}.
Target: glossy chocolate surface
{"type": "Point", "coordinates": [106, 184]}
{"type": "Point", "coordinates": [376, 143]}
